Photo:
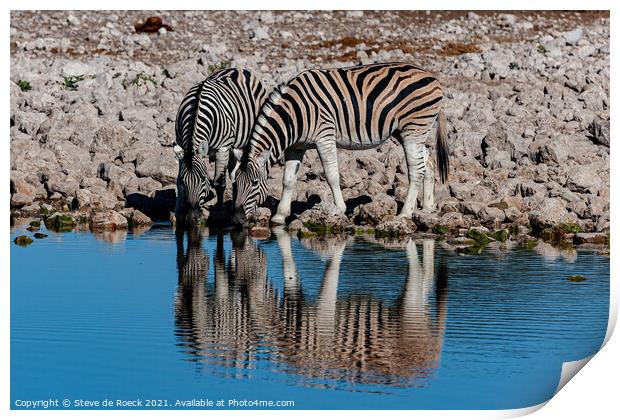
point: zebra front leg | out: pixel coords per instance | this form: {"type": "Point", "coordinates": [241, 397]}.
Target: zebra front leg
{"type": "Point", "coordinates": [414, 154]}
{"type": "Point", "coordinates": [291, 169]}
{"type": "Point", "coordinates": [428, 202]}
{"type": "Point", "coordinates": [329, 160]}
{"type": "Point", "coordinates": [234, 163]}
{"type": "Point", "coordinates": [219, 179]}
{"type": "Point", "coordinates": [327, 298]}
{"type": "Point", "coordinates": [289, 268]}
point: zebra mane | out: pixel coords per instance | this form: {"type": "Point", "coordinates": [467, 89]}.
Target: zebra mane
{"type": "Point", "coordinates": [274, 97]}
{"type": "Point", "coordinates": [192, 149]}
{"type": "Point", "coordinates": [268, 107]}
{"type": "Point", "coordinates": [189, 115]}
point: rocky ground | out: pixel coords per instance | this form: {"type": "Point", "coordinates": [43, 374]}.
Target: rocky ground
{"type": "Point", "coordinates": [93, 103]}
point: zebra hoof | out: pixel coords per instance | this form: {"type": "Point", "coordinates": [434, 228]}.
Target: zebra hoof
{"type": "Point", "coordinates": [278, 219]}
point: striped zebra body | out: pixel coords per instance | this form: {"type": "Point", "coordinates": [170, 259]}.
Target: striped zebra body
{"type": "Point", "coordinates": [214, 121]}
{"type": "Point", "coordinates": [353, 108]}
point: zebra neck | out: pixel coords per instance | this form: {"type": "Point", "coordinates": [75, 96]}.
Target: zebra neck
{"type": "Point", "coordinates": [265, 156]}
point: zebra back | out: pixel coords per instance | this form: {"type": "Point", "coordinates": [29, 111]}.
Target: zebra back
{"type": "Point", "coordinates": [219, 112]}
{"type": "Point", "coordinates": [359, 106]}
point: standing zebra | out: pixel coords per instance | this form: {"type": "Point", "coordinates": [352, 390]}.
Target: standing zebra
{"type": "Point", "coordinates": [351, 108]}
{"type": "Point", "coordinates": [215, 119]}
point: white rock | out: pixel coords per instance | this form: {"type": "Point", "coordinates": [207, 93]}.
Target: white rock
{"type": "Point", "coordinates": [76, 68]}
{"type": "Point", "coordinates": [355, 13]}
{"type": "Point", "coordinates": [267, 17]}
{"type": "Point", "coordinates": [162, 31]}
{"type": "Point", "coordinates": [508, 19]}
{"type": "Point", "coordinates": [572, 37]}
{"type": "Point", "coordinates": [585, 51]}
{"type": "Point", "coordinates": [261, 33]}
{"type": "Point", "coordinates": [72, 20]}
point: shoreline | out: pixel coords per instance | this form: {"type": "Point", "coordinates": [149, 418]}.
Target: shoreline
{"type": "Point", "coordinates": [463, 241]}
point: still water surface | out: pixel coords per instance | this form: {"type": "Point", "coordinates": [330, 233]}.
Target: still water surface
{"type": "Point", "coordinates": [339, 323]}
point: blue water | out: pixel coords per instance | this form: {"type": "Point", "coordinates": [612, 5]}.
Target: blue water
{"type": "Point", "coordinates": [346, 323]}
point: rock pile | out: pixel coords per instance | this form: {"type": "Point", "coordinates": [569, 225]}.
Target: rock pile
{"type": "Point", "coordinates": [93, 105]}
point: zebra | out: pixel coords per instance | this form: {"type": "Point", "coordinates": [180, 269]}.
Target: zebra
{"type": "Point", "coordinates": [214, 119]}
{"type": "Point", "coordinates": [351, 108]}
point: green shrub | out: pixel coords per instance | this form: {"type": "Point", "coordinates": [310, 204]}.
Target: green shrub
{"type": "Point", "coordinates": [24, 85]}
{"type": "Point", "coordinates": [71, 82]}
{"type": "Point", "coordinates": [225, 64]}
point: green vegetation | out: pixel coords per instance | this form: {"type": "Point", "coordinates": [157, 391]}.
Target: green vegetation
{"type": "Point", "coordinates": [224, 64]}
{"type": "Point", "coordinates": [71, 82]}
{"type": "Point", "coordinates": [571, 227]}
{"type": "Point", "coordinates": [478, 236]}
{"type": "Point", "coordinates": [60, 222]}
{"type": "Point", "coordinates": [577, 278]}
{"type": "Point", "coordinates": [139, 80]}
{"type": "Point", "coordinates": [530, 243]}
{"type": "Point", "coordinates": [34, 225]}
{"type": "Point", "coordinates": [320, 229]}
{"type": "Point", "coordinates": [481, 240]}
{"type": "Point", "coordinates": [500, 235]}
{"type": "Point", "coordinates": [469, 250]}
{"type": "Point", "coordinates": [556, 235]}
{"type": "Point", "coordinates": [24, 85]}
{"type": "Point", "coordinates": [358, 230]}
{"type": "Point", "coordinates": [440, 229]}
{"type": "Point", "coordinates": [301, 234]}
{"type": "Point", "coordinates": [23, 240]}
{"type": "Point", "coordinates": [542, 49]}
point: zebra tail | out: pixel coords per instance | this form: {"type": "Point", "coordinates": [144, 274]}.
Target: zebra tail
{"type": "Point", "coordinates": [443, 150]}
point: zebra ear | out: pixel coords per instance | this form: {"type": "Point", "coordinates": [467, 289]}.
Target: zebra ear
{"type": "Point", "coordinates": [178, 151]}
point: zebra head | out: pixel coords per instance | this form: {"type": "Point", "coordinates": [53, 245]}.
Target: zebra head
{"type": "Point", "coordinates": [251, 187]}
{"type": "Point", "coordinates": [193, 186]}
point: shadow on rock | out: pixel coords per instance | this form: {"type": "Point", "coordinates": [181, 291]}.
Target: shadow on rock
{"type": "Point", "coordinates": [157, 207]}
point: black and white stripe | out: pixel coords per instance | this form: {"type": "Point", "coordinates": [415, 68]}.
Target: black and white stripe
{"type": "Point", "coordinates": [214, 121]}
{"type": "Point", "coordinates": [352, 108]}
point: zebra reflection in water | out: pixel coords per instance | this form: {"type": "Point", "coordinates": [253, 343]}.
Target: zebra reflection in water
{"type": "Point", "coordinates": [357, 338]}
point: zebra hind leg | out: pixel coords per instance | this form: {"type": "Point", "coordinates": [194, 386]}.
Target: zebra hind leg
{"type": "Point", "coordinates": [289, 179]}
{"type": "Point", "coordinates": [428, 201]}
{"type": "Point", "coordinates": [329, 160]}
{"type": "Point", "coordinates": [413, 143]}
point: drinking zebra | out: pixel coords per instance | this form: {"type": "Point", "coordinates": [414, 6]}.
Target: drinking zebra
{"type": "Point", "coordinates": [352, 108]}
{"type": "Point", "coordinates": [214, 119]}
